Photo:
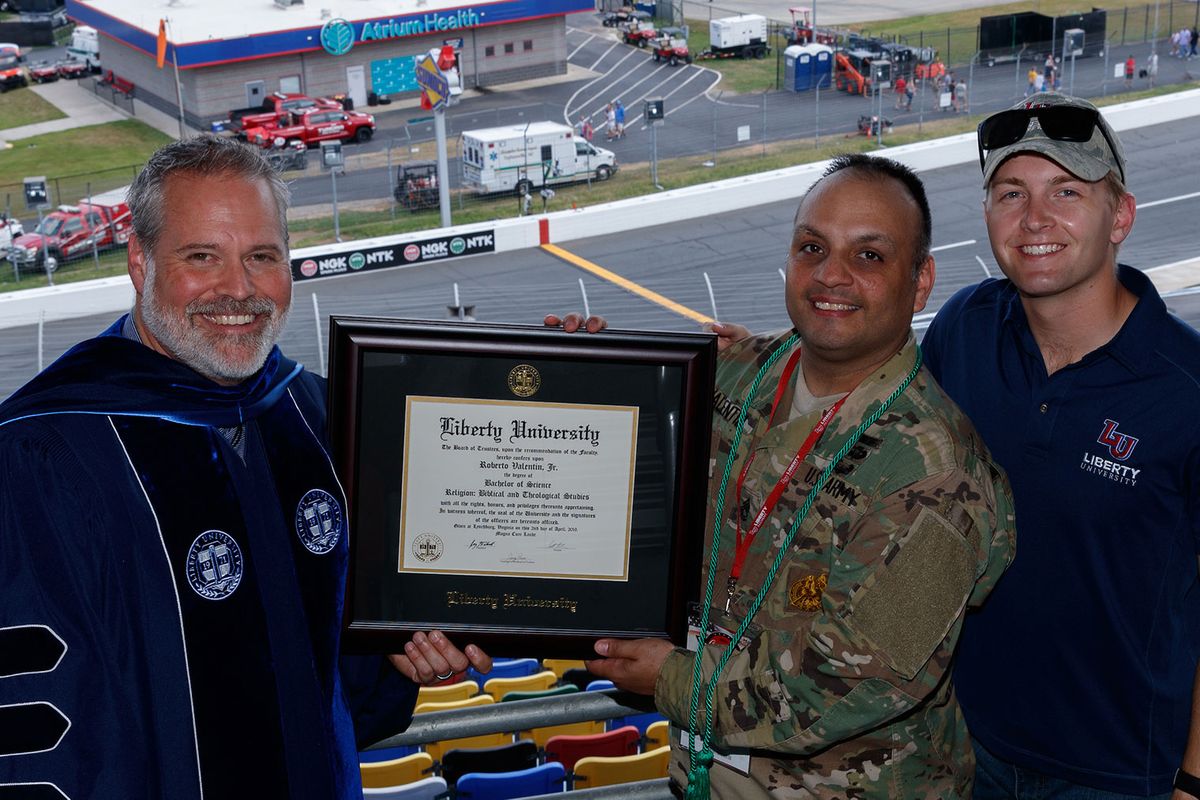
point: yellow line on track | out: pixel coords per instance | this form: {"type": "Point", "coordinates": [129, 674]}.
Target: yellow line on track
{"type": "Point", "coordinates": [625, 283]}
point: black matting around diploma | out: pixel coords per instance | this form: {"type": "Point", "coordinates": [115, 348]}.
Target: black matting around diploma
{"type": "Point", "coordinates": [377, 364]}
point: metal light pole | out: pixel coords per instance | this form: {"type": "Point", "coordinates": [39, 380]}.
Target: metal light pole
{"type": "Point", "coordinates": [178, 85]}
{"type": "Point", "coordinates": [332, 158]}
{"type": "Point", "coordinates": [817, 104]}
{"type": "Point", "coordinates": [45, 251]}
{"type": "Point", "coordinates": [87, 226]}
{"type": "Point", "coordinates": [1154, 38]}
{"type": "Point", "coordinates": [337, 228]}
{"type": "Point", "coordinates": [439, 130]}
{"type": "Point", "coordinates": [654, 155]}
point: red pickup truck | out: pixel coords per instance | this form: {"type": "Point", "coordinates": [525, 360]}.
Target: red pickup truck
{"type": "Point", "coordinates": [315, 125]}
{"type": "Point", "coordinates": [267, 115]}
{"type": "Point", "coordinates": [69, 232]}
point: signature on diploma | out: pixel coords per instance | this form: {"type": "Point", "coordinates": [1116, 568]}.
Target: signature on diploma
{"type": "Point", "coordinates": [515, 558]}
{"type": "Point", "coordinates": [478, 545]}
{"type": "Point", "coordinates": [558, 547]}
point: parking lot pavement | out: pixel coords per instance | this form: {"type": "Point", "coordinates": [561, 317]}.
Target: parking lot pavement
{"type": "Point", "coordinates": [628, 74]}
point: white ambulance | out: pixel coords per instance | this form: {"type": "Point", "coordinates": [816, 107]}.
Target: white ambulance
{"type": "Point", "coordinates": [520, 158]}
{"type": "Point", "coordinates": [85, 46]}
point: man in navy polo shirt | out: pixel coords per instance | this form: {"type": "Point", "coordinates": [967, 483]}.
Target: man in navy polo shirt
{"type": "Point", "coordinates": [1079, 674]}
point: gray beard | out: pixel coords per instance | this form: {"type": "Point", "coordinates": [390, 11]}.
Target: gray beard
{"type": "Point", "coordinates": [218, 357]}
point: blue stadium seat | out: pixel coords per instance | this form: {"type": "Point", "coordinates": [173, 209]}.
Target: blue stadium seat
{"type": "Point", "coordinates": [387, 753]}
{"type": "Point", "coordinates": [506, 668]}
{"type": "Point", "coordinates": [546, 779]}
{"type": "Point", "coordinates": [505, 758]}
{"type": "Point", "coordinates": [639, 721]}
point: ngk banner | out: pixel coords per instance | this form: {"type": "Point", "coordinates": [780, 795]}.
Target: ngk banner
{"type": "Point", "coordinates": [342, 259]}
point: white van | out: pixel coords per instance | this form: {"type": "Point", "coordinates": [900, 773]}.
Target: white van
{"type": "Point", "coordinates": [85, 46]}
{"type": "Point", "coordinates": [519, 158]}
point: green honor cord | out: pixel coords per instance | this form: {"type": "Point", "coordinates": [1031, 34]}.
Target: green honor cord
{"type": "Point", "coordinates": [700, 758]}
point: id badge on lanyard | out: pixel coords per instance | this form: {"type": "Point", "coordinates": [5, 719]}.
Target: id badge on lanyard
{"type": "Point", "coordinates": [721, 627]}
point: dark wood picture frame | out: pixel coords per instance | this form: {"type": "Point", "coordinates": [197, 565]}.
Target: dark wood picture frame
{"type": "Point", "coordinates": [377, 363]}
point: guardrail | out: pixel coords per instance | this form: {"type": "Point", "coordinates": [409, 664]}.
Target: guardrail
{"type": "Point", "coordinates": [524, 715]}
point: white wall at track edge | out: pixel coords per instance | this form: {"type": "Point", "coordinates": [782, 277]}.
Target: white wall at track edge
{"type": "Point", "coordinates": [676, 205]}
{"type": "Point", "coordinates": [65, 301]}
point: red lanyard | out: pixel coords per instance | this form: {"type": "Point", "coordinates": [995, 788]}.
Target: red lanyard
{"type": "Point", "coordinates": [744, 540]}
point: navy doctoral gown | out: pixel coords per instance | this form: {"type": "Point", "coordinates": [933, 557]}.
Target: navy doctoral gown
{"type": "Point", "coordinates": [170, 613]}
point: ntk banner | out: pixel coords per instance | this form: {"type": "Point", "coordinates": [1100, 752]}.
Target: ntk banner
{"type": "Point", "coordinates": [345, 260]}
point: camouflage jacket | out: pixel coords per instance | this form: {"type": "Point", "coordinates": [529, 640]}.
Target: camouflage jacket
{"type": "Point", "coordinates": [844, 690]}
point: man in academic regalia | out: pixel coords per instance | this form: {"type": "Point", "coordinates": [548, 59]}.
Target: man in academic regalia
{"type": "Point", "coordinates": [173, 535]}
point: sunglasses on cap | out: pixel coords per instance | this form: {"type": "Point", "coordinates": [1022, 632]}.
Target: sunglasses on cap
{"type": "Point", "coordinates": [1060, 123]}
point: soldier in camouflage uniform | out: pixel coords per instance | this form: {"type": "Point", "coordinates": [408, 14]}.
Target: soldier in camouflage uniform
{"type": "Point", "coordinates": [840, 687]}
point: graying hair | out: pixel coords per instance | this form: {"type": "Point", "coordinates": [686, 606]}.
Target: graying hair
{"type": "Point", "coordinates": [201, 155]}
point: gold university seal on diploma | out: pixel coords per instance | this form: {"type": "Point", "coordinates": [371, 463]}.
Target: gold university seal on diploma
{"type": "Point", "coordinates": [524, 380]}
{"type": "Point", "coordinates": [428, 547]}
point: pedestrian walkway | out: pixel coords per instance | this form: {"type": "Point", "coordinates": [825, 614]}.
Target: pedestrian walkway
{"type": "Point", "coordinates": [81, 108]}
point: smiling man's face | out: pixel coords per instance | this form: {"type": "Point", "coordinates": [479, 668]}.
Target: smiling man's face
{"type": "Point", "coordinates": [1051, 232]}
{"type": "Point", "coordinates": [215, 292]}
{"type": "Point", "coordinates": [851, 292]}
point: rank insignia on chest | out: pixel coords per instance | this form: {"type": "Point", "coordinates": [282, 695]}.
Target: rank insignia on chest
{"type": "Point", "coordinates": [805, 592]}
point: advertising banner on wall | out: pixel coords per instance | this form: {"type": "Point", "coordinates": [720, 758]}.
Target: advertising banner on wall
{"type": "Point", "coordinates": [347, 258]}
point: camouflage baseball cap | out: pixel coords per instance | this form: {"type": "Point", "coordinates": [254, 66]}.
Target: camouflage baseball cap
{"type": "Point", "coordinates": [1090, 160]}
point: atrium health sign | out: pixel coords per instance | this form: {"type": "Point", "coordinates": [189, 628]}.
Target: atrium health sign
{"type": "Point", "coordinates": [338, 35]}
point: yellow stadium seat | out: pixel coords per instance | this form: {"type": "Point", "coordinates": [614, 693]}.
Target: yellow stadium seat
{"type": "Point", "coordinates": [658, 734]}
{"type": "Point", "coordinates": [447, 693]}
{"type": "Point", "coordinates": [439, 749]}
{"type": "Point", "coordinates": [560, 665]}
{"type": "Point", "coordinates": [542, 735]}
{"type": "Point", "coordinates": [596, 771]}
{"type": "Point", "coordinates": [498, 687]}
{"type": "Point", "coordinates": [470, 702]}
{"type": "Point", "coordinates": [381, 774]}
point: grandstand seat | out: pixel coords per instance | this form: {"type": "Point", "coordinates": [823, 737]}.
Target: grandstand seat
{"type": "Point", "coordinates": [578, 676]}
{"type": "Point", "coordinates": [498, 687]}
{"type": "Point", "coordinates": [450, 705]}
{"type": "Point", "coordinates": [560, 665]}
{"type": "Point", "coordinates": [387, 753]}
{"type": "Point", "coordinates": [594, 771]}
{"type": "Point", "coordinates": [408, 769]}
{"type": "Point", "coordinates": [542, 735]}
{"type": "Point", "coordinates": [506, 668]}
{"type": "Point", "coordinates": [426, 789]}
{"type": "Point", "coordinates": [447, 692]}
{"type": "Point", "coordinates": [545, 779]}
{"type": "Point", "coordinates": [639, 721]}
{"type": "Point", "coordinates": [566, 750]}
{"type": "Point", "coordinates": [554, 691]}
{"type": "Point", "coordinates": [658, 734]}
{"type": "Point", "coordinates": [600, 685]}
{"type": "Point", "coordinates": [440, 748]}
{"type": "Point", "coordinates": [505, 758]}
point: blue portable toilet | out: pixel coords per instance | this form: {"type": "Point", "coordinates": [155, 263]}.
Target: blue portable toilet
{"type": "Point", "coordinates": [806, 64]}
{"type": "Point", "coordinates": [822, 65]}
{"type": "Point", "coordinates": [797, 69]}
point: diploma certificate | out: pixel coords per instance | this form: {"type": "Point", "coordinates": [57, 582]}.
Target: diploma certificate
{"type": "Point", "coordinates": [517, 488]}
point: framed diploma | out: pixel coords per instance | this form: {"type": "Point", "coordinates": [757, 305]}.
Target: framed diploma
{"type": "Point", "coordinates": [519, 487]}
